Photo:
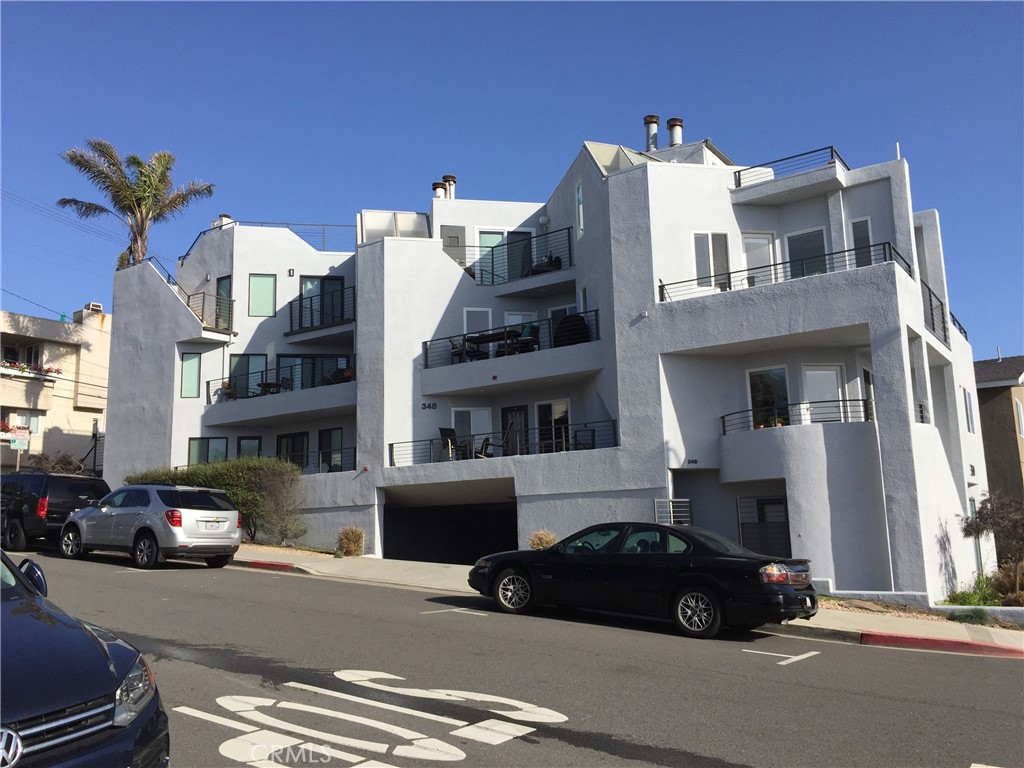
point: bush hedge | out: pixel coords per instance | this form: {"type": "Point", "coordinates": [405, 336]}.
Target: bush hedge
{"type": "Point", "coordinates": [257, 486]}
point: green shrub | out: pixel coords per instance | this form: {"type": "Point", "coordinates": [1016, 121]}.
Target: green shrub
{"type": "Point", "coordinates": [974, 616]}
{"type": "Point", "coordinates": [263, 490]}
{"type": "Point", "coordinates": [542, 539]}
{"type": "Point", "coordinates": [351, 540]}
{"type": "Point", "coordinates": [981, 593]}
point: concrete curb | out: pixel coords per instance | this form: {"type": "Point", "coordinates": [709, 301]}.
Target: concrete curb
{"type": "Point", "coordinates": [268, 565]}
{"type": "Point", "coordinates": [890, 640]}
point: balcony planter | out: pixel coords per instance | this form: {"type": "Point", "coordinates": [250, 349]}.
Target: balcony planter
{"type": "Point", "coordinates": [29, 371]}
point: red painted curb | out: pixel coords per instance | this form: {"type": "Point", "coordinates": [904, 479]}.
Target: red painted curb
{"type": "Point", "coordinates": [269, 566]}
{"type": "Point", "coordinates": [940, 644]}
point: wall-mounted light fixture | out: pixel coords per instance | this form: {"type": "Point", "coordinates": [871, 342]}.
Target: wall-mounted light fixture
{"type": "Point", "coordinates": [207, 277]}
{"type": "Point", "coordinates": [291, 273]}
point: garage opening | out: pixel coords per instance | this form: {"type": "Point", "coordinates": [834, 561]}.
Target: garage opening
{"type": "Point", "coordinates": [449, 534]}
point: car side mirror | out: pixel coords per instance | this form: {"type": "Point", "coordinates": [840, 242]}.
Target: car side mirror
{"type": "Point", "coordinates": [34, 574]}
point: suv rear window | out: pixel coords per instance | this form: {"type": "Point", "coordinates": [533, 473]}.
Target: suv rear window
{"type": "Point", "coordinates": [212, 500]}
{"type": "Point", "coordinates": [77, 488]}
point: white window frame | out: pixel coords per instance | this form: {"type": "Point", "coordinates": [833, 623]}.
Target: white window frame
{"type": "Point", "coordinates": [579, 209]}
{"type": "Point", "coordinates": [568, 416]}
{"type": "Point", "coordinates": [712, 285]}
{"type": "Point", "coordinates": [465, 319]}
{"type": "Point", "coordinates": [194, 379]}
{"type": "Point", "coordinates": [806, 412]}
{"type": "Point", "coordinates": [273, 298]}
{"type": "Point", "coordinates": [871, 232]}
{"type": "Point", "coordinates": [773, 257]}
{"type": "Point", "coordinates": [797, 233]}
{"type": "Point", "coordinates": [969, 410]}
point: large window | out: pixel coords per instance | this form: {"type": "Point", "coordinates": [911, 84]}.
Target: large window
{"type": "Point", "coordinates": [329, 444]}
{"type": "Point", "coordinates": [553, 426]}
{"type": "Point", "coordinates": [711, 251]}
{"type": "Point", "coordinates": [293, 447]}
{"type": "Point", "coordinates": [758, 250]}
{"type": "Point", "coordinates": [579, 210]}
{"type": "Point", "coordinates": [250, 447]}
{"type": "Point", "coordinates": [806, 253]}
{"type": "Point", "coordinates": [246, 373]}
{"type": "Point", "coordinates": [322, 301]}
{"type": "Point", "coordinates": [190, 374]}
{"type": "Point", "coordinates": [769, 397]}
{"type": "Point", "coordinates": [262, 295]}
{"type": "Point", "coordinates": [861, 231]}
{"type": "Point", "coordinates": [204, 450]}
{"type": "Point", "coordinates": [969, 410]}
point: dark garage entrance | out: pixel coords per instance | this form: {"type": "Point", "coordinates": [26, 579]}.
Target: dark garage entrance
{"type": "Point", "coordinates": [449, 534]}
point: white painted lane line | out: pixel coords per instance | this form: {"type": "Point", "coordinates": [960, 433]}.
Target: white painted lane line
{"type": "Point", "coordinates": [455, 610]}
{"type": "Point", "coordinates": [244, 727]}
{"type": "Point", "coordinates": [493, 731]}
{"type": "Point", "coordinates": [379, 704]}
{"type": "Point", "coordinates": [788, 659]}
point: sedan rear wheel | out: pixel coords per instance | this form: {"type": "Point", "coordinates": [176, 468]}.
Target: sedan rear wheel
{"type": "Point", "coordinates": [218, 561]}
{"type": "Point", "coordinates": [14, 535]}
{"type": "Point", "coordinates": [145, 554]}
{"type": "Point", "coordinates": [71, 543]}
{"type": "Point", "coordinates": [697, 612]}
{"type": "Point", "coordinates": [513, 592]}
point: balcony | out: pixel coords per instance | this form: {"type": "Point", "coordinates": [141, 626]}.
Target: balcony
{"type": "Point", "coordinates": [584, 436]}
{"type": "Point", "coordinates": [935, 314]}
{"type": "Point", "coordinates": [308, 375]}
{"type": "Point", "coordinates": [509, 340]}
{"type": "Point", "coordinates": [840, 261]}
{"type": "Point", "coordinates": [516, 260]}
{"type": "Point", "coordinates": [324, 311]}
{"type": "Point", "coordinates": [316, 462]}
{"type": "Point", "coordinates": [789, 166]}
{"type": "Point", "coordinates": [817, 412]}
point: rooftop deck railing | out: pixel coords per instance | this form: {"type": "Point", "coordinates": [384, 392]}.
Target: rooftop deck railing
{"type": "Point", "coordinates": [840, 261]}
{"type": "Point", "coordinates": [515, 260]}
{"type": "Point", "coordinates": [934, 313]}
{"type": "Point", "coordinates": [338, 238]}
{"type": "Point", "coordinates": [583, 436]}
{"type": "Point", "coordinates": [288, 378]}
{"type": "Point", "coordinates": [957, 325]}
{"type": "Point", "coordinates": [816, 412]}
{"type": "Point", "coordinates": [322, 311]}
{"type": "Point", "coordinates": [512, 339]}
{"type": "Point", "coordinates": [789, 166]}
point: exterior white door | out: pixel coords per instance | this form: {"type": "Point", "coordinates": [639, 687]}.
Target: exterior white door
{"type": "Point", "coordinates": [823, 393]}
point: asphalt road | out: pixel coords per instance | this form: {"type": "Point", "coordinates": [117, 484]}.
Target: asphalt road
{"type": "Point", "coordinates": [336, 673]}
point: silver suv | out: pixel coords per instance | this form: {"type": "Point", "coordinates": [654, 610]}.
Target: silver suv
{"type": "Point", "coordinates": [151, 522]}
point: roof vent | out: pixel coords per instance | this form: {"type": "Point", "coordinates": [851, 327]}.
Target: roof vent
{"type": "Point", "coordinates": [675, 131]}
{"type": "Point", "coordinates": [93, 306]}
{"type": "Point", "coordinates": [651, 124]}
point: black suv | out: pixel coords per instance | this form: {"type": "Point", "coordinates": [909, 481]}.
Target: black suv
{"type": "Point", "coordinates": [36, 504]}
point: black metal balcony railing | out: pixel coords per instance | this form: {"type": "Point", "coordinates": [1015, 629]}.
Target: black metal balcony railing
{"type": "Point", "coordinates": [921, 413]}
{"type": "Point", "coordinates": [214, 311]}
{"type": "Point", "coordinates": [517, 259]}
{"type": "Point", "coordinates": [585, 436]}
{"type": "Point", "coordinates": [789, 166]}
{"type": "Point", "coordinates": [512, 339]}
{"type": "Point", "coordinates": [934, 313]}
{"type": "Point", "coordinates": [816, 412]}
{"type": "Point", "coordinates": [957, 325]}
{"type": "Point", "coordinates": [840, 261]}
{"type": "Point", "coordinates": [321, 311]}
{"type": "Point", "coordinates": [289, 378]}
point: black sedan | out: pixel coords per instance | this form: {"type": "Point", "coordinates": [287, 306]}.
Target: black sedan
{"type": "Point", "coordinates": [71, 694]}
{"type": "Point", "coordinates": [698, 578]}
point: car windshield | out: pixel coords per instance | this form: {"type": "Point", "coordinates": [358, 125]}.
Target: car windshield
{"type": "Point", "coordinates": [718, 543]}
{"type": "Point", "coordinates": [190, 499]}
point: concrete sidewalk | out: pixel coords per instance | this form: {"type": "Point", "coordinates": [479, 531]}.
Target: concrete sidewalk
{"type": "Point", "coordinates": [829, 624]}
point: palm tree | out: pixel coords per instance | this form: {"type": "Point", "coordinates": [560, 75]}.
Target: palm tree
{"type": "Point", "coordinates": [139, 193]}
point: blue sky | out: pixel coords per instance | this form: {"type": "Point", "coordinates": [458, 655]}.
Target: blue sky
{"type": "Point", "coordinates": [310, 112]}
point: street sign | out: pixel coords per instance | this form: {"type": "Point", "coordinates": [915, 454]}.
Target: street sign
{"type": "Point", "coordinates": [19, 438]}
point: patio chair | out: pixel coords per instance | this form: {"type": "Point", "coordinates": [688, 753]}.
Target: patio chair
{"type": "Point", "coordinates": [449, 443]}
{"type": "Point", "coordinates": [528, 341]}
{"type": "Point", "coordinates": [463, 351]}
{"type": "Point", "coordinates": [484, 452]}
{"type": "Point", "coordinates": [286, 384]}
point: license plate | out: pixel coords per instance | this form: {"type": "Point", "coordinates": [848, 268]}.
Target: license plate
{"type": "Point", "coordinates": [807, 602]}
{"type": "Point", "coordinates": [212, 526]}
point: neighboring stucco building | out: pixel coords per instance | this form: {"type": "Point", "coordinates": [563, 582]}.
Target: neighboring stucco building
{"type": "Point", "coordinates": [1001, 413]}
{"type": "Point", "coordinates": [53, 380]}
{"type": "Point", "coordinates": [762, 350]}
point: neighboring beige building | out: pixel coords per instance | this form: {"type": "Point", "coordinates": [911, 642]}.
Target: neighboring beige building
{"type": "Point", "coordinates": [53, 380]}
{"type": "Point", "coordinates": [1001, 410]}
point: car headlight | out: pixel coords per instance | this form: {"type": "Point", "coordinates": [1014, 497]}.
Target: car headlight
{"type": "Point", "coordinates": [482, 563]}
{"type": "Point", "coordinates": [134, 693]}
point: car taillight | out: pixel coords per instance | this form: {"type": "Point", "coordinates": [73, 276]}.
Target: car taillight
{"type": "Point", "coordinates": [173, 517]}
{"type": "Point", "coordinates": [42, 506]}
{"type": "Point", "coordinates": [775, 573]}
{"type": "Point", "coordinates": [239, 520]}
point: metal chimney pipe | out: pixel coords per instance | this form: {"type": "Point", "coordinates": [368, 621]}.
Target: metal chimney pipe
{"type": "Point", "coordinates": [651, 123]}
{"type": "Point", "coordinates": [449, 180]}
{"type": "Point", "coordinates": [675, 131]}
{"type": "Point", "coordinates": [440, 190]}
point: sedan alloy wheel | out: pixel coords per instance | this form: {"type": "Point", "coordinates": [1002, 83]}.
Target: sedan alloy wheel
{"type": "Point", "coordinates": [512, 592]}
{"type": "Point", "coordinates": [71, 543]}
{"type": "Point", "coordinates": [697, 613]}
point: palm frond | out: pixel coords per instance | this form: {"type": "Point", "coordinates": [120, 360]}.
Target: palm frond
{"type": "Point", "coordinates": [83, 209]}
{"type": "Point", "coordinates": [181, 198]}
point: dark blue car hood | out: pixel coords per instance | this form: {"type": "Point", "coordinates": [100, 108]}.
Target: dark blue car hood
{"type": "Point", "coordinates": [49, 660]}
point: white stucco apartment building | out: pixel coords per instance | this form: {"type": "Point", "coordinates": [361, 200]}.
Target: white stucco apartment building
{"type": "Point", "coordinates": [762, 350]}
